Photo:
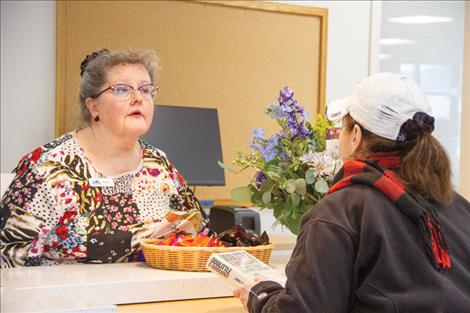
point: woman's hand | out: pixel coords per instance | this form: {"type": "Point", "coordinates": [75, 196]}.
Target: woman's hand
{"type": "Point", "coordinates": [244, 291]}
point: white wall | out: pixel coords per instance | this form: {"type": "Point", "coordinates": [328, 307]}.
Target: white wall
{"type": "Point", "coordinates": [27, 78]}
{"type": "Point", "coordinates": [465, 130]}
{"type": "Point", "coordinates": [28, 67]}
{"type": "Point", "coordinates": [348, 44]}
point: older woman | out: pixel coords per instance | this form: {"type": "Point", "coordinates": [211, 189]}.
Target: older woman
{"type": "Point", "coordinates": [391, 235]}
{"type": "Point", "coordinates": [94, 193]}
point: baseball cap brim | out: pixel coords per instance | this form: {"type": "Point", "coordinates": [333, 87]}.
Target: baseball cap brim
{"type": "Point", "coordinates": [338, 109]}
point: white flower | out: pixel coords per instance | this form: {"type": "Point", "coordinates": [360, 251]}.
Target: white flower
{"type": "Point", "coordinates": [321, 162]}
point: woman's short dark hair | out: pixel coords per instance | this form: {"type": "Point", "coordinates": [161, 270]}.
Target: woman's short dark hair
{"type": "Point", "coordinates": [424, 164]}
{"type": "Point", "coordinates": [94, 69]}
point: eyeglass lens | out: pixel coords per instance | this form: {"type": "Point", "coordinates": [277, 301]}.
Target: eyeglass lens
{"type": "Point", "coordinates": [122, 90]}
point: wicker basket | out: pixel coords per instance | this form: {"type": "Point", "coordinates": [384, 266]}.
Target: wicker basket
{"type": "Point", "coordinates": [192, 259]}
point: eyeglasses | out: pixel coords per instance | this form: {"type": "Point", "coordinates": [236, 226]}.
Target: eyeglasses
{"type": "Point", "coordinates": [124, 91]}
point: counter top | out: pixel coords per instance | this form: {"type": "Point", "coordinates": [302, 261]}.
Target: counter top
{"type": "Point", "coordinates": [215, 305]}
{"type": "Point", "coordinates": [100, 287]}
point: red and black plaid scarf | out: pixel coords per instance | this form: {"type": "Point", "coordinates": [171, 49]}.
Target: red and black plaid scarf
{"type": "Point", "coordinates": [378, 172]}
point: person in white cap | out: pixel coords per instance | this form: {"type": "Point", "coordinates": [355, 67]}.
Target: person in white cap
{"type": "Point", "coordinates": [391, 235]}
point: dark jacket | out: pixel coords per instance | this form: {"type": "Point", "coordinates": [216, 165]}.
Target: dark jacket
{"type": "Point", "coordinates": [356, 252]}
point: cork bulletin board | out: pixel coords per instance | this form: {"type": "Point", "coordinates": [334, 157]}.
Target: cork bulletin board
{"type": "Point", "coordinates": [231, 55]}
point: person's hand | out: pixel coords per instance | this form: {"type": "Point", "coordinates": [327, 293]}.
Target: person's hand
{"type": "Point", "coordinates": [243, 292]}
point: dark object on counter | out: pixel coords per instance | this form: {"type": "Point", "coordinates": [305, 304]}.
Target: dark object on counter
{"type": "Point", "coordinates": [224, 217]}
{"type": "Point", "coordinates": [237, 236]}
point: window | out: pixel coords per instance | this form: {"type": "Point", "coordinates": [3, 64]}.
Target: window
{"type": "Point", "coordinates": [424, 40]}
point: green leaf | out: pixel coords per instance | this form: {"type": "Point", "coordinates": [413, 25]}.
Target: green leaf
{"type": "Point", "coordinates": [290, 186]}
{"type": "Point", "coordinates": [256, 197]}
{"type": "Point", "coordinates": [288, 207]}
{"type": "Point", "coordinates": [321, 186]}
{"type": "Point", "coordinates": [300, 186]}
{"type": "Point", "coordinates": [282, 218]}
{"type": "Point", "coordinates": [310, 176]}
{"type": "Point", "coordinates": [266, 185]}
{"type": "Point", "coordinates": [295, 199]}
{"type": "Point", "coordinates": [278, 210]}
{"type": "Point", "coordinates": [273, 175]}
{"type": "Point", "coordinates": [267, 197]}
{"type": "Point", "coordinates": [241, 193]}
{"type": "Point", "coordinates": [293, 223]}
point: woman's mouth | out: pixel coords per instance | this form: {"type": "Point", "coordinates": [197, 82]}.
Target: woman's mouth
{"type": "Point", "coordinates": [136, 114]}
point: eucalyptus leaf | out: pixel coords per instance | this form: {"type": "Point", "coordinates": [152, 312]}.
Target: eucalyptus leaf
{"type": "Point", "coordinates": [256, 198]}
{"type": "Point", "coordinates": [295, 199]}
{"type": "Point", "coordinates": [300, 186]}
{"type": "Point", "coordinates": [241, 193]}
{"type": "Point", "coordinates": [310, 176]}
{"type": "Point", "coordinates": [267, 197]}
{"type": "Point", "coordinates": [321, 186]}
{"type": "Point", "coordinates": [290, 186]}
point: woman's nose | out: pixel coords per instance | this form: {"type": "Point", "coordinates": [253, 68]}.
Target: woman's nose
{"type": "Point", "coordinates": [136, 97]}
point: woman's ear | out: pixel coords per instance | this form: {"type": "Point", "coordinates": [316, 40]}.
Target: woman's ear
{"type": "Point", "coordinates": [92, 107]}
{"type": "Point", "coordinates": [356, 138]}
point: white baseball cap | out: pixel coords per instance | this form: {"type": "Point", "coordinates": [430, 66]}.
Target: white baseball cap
{"type": "Point", "coordinates": [381, 104]}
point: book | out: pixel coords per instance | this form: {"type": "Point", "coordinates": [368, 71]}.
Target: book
{"type": "Point", "coordinates": [239, 268]}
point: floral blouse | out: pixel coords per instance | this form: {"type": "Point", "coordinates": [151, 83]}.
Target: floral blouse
{"type": "Point", "coordinates": [60, 210]}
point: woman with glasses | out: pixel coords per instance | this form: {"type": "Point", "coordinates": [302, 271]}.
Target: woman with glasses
{"type": "Point", "coordinates": [94, 193]}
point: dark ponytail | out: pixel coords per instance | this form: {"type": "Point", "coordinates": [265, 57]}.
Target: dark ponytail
{"type": "Point", "coordinates": [424, 164]}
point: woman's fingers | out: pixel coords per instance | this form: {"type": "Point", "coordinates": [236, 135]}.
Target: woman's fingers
{"type": "Point", "coordinates": [236, 293]}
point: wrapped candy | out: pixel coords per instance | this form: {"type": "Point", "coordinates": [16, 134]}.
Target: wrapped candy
{"type": "Point", "coordinates": [237, 236]}
{"type": "Point", "coordinates": [205, 238]}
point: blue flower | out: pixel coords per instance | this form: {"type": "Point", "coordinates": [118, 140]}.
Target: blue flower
{"type": "Point", "coordinates": [258, 133]}
{"type": "Point", "coordinates": [269, 154]}
{"type": "Point", "coordinates": [270, 151]}
{"type": "Point", "coordinates": [255, 147]}
{"type": "Point", "coordinates": [274, 111]}
{"type": "Point", "coordinates": [313, 144]}
{"type": "Point", "coordinates": [286, 110]}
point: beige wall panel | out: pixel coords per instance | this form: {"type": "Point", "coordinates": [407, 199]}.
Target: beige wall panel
{"type": "Point", "coordinates": [215, 56]}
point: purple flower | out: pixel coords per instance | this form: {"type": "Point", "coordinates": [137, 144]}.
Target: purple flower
{"type": "Point", "coordinates": [286, 96]}
{"type": "Point", "coordinates": [300, 130]}
{"type": "Point", "coordinates": [293, 114]}
{"type": "Point", "coordinates": [259, 178]}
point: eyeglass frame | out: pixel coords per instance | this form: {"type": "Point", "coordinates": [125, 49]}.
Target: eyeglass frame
{"type": "Point", "coordinates": [113, 86]}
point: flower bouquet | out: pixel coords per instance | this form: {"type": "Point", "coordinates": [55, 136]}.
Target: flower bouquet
{"type": "Point", "coordinates": [293, 168]}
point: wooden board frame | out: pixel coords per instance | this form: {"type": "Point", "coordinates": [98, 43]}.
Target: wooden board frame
{"type": "Point", "coordinates": [73, 35]}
